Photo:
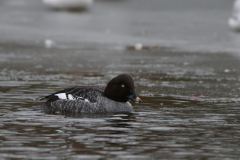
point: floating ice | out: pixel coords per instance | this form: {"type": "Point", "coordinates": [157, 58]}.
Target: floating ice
{"type": "Point", "coordinates": [138, 46]}
{"type": "Point", "coordinates": [49, 43]}
{"type": "Point", "coordinates": [234, 21]}
{"type": "Point", "coordinates": [68, 4]}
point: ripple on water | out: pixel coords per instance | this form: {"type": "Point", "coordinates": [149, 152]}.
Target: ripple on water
{"type": "Point", "coordinates": [171, 123]}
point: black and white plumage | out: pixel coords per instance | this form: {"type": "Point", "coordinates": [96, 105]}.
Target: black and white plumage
{"type": "Point", "coordinates": [90, 99]}
{"type": "Point", "coordinates": [88, 94]}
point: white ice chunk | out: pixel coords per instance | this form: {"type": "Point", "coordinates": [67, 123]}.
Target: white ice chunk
{"type": "Point", "coordinates": [49, 43]}
{"type": "Point", "coordinates": [68, 4]}
{"type": "Point", "coordinates": [138, 46]}
{"type": "Point", "coordinates": [234, 21]}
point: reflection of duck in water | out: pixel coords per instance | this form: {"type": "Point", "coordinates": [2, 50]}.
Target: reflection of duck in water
{"type": "Point", "coordinates": [68, 4]}
{"type": "Point", "coordinates": [234, 21]}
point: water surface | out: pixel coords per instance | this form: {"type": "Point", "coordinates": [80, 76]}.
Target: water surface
{"type": "Point", "coordinates": [190, 106]}
{"type": "Point", "coordinates": [190, 25]}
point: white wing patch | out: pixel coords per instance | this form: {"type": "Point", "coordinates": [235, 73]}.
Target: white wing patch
{"type": "Point", "coordinates": [86, 100]}
{"type": "Point", "coordinates": [61, 95]}
{"type": "Point", "coordinates": [70, 97]}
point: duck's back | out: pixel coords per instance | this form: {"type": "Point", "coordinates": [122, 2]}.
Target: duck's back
{"type": "Point", "coordinates": [81, 92]}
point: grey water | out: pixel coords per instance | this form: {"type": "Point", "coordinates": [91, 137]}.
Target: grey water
{"type": "Point", "coordinates": [191, 25]}
{"type": "Point", "coordinates": [190, 85]}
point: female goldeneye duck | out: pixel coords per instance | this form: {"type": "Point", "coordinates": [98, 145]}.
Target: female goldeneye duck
{"type": "Point", "coordinates": [82, 99]}
{"type": "Point", "coordinates": [234, 21]}
{"type": "Point", "coordinates": [68, 4]}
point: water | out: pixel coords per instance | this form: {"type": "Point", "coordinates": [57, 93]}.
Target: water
{"type": "Point", "coordinates": [190, 106]}
{"type": "Point", "coordinates": [190, 25]}
{"type": "Point", "coordinates": [190, 85]}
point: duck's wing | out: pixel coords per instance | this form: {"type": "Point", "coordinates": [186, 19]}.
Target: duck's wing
{"type": "Point", "coordinates": [88, 94]}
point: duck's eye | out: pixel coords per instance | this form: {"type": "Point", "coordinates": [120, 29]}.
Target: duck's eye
{"type": "Point", "coordinates": [122, 85]}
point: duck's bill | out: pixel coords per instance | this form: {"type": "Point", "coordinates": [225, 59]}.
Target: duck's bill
{"type": "Point", "coordinates": [134, 97]}
{"type": "Point", "coordinates": [138, 100]}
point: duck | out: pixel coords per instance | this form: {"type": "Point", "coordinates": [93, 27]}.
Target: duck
{"type": "Point", "coordinates": [234, 20]}
{"type": "Point", "coordinates": [68, 4]}
{"type": "Point", "coordinates": [93, 99]}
